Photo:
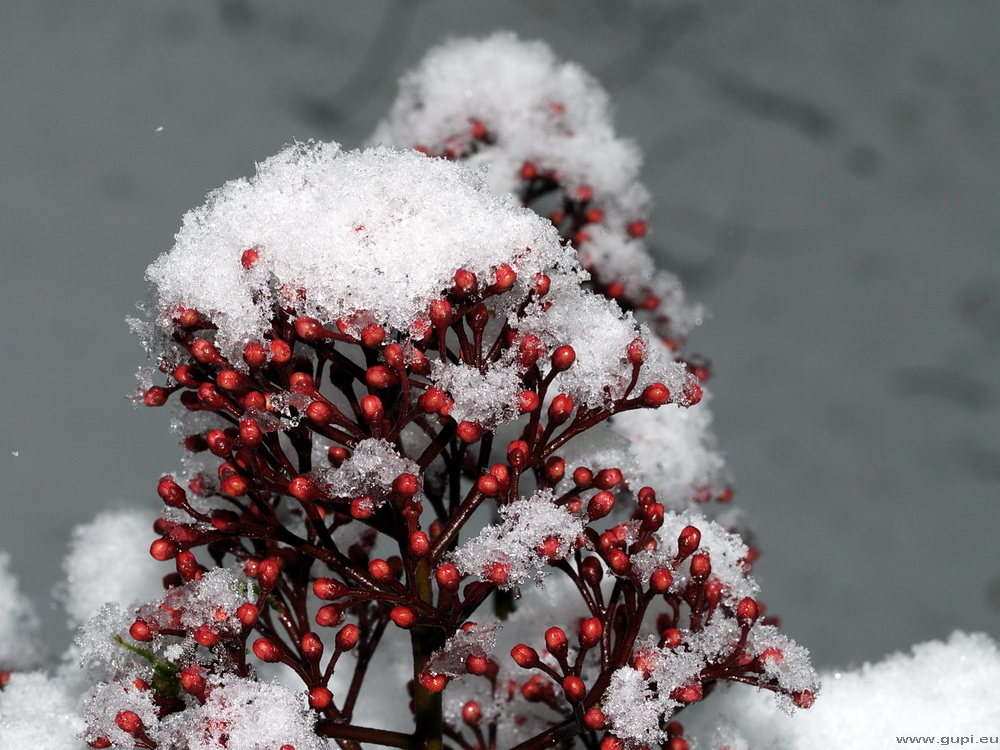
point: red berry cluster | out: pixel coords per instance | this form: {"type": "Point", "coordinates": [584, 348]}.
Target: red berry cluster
{"type": "Point", "coordinates": [337, 384]}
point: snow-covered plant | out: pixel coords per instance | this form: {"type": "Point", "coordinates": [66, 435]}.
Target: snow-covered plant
{"type": "Point", "coordinates": [444, 454]}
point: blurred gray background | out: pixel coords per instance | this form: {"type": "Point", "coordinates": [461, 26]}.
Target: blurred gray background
{"type": "Point", "coordinates": [825, 177]}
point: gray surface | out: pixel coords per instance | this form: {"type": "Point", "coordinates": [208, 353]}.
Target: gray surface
{"type": "Point", "coordinates": [825, 176]}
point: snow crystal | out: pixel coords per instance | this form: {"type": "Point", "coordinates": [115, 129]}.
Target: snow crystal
{"type": "Point", "coordinates": [508, 552]}
{"type": "Point", "coordinates": [370, 470]}
{"type": "Point", "coordinates": [333, 230]}
{"type": "Point", "coordinates": [40, 712]}
{"type": "Point", "coordinates": [634, 709]}
{"type": "Point", "coordinates": [211, 600]}
{"type": "Point", "coordinates": [537, 109]}
{"type": "Point", "coordinates": [489, 398]}
{"type": "Point", "coordinates": [942, 690]}
{"type": "Point", "coordinates": [105, 702]}
{"type": "Point", "coordinates": [108, 561]}
{"type": "Point", "coordinates": [19, 644]}
{"type": "Point", "coordinates": [242, 714]}
{"type": "Point", "coordinates": [97, 641]}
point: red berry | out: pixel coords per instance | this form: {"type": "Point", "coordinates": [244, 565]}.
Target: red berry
{"type": "Point", "coordinates": [254, 355]}
{"type": "Point", "coordinates": [250, 432]}
{"type": "Point", "coordinates": [309, 329]}
{"type": "Point", "coordinates": [281, 352]}
{"type": "Point", "coordinates": [607, 479]}
{"type": "Point", "coordinates": [250, 257]}
{"type": "Point", "coordinates": [527, 402]}
{"type": "Point", "coordinates": [524, 656]}
{"type": "Point", "coordinates": [420, 545]}
{"type": "Point", "coordinates": [303, 488]}
{"type": "Point", "coordinates": [328, 589]}
{"type": "Point", "coordinates": [688, 693]}
{"type": "Point", "coordinates": [591, 631]}
{"type": "Point", "coordinates": [406, 485]}
{"type": "Point", "coordinates": [372, 335]}
{"type": "Point", "coordinates": [205, 351]}
{"type": "Point", "coordinates": [129, 722]}
{"type": "Point", "coordinates": [155, 396]}
{"type": "Point", "coordinates": [469, 432]}
{"type": "Point", "coordinates": [441, 313]}
{"type": "Point", "coordinates": [193, 680]}
{"type": "Point", "coordinates": [542, 284]}
{"type": "Point", "coordinates": [320, 698]}
{"type": "Point", "coordinates": [747, 612]}
{"type": "Point", "coordinates": [206, 636]}
{"type": "Point", "coordinates": [803, 698]}
{"type": "Point", "coordinates": [312, 647]}
{"type": "Point", "coordinates": [465, 281]}
{"type": "Point", "coordinates": [701, 567]}
{"type": "Point", "coordinates": [574, 688]}
{"type": "Point", "coordinates": [471, 713]}
{"type": "Point", "coordinates": [371, 407]}
{"type": "Point", "coordinates": [477, 664]}
{"type": "Point", "coordinates": [654, 395]}
{"type": "Point", "coordinates": [234, 486]}
{"type": "Point", "coordinates": [528, 171]}
{"type": "Point", "coordinates": [556, 641]}
{"type": "Point", "coordinates": [448, 577]}
{"type": "Point", "coordinates": [140, 631]}
{"type": "Point", "coordinates": [594, 719]}
{"type": "Point", "coordinates": [636, 228]}
{"type": "Point", "coordinates": [268, 571]}
{"type": "Point", "coordinates": [328, 616]}
{"type": "Point", "coordinates": [478, 130]}
{"type": "Point", "coordinates": [661, 580]}
{"type": "Point", "coordinates": [518, 453]}
{"type": "Point", "coordinates": [433, 683]}
{"type": "Point", "coordinates": [505, 277]}
{"type": "Point", "coordinates": [488, 485]}
{"type": "Point", "coordinates": [403, 616]}
{"type": "Point", "coordinates": [170, 492]}
{"type": "Point", "coordinates": [163, 550]}
{"type": "Point", "coordinates": [563, 358]}
{"type": "Point", "coordinates": [561, 408]}
{"type": "Point", "coordinates": [362, 507]}
{"type": "Point", "coordinates": [688, 541]}
{"type": "Point", "coordinates": [347, 637]}
{"type": "Point", "coordinates": [600, 505]}
{"type": "Point", "coordinates": [247, 614]}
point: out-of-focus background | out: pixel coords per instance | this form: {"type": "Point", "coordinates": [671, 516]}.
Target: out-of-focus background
{"type": "Point", "coordinates": [825, 176]}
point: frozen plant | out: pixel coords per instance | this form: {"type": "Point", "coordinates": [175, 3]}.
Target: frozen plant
{"type": "Point", "coordinates": [379, 355]}
{"type": "Point", "coordinates": [422, 504]}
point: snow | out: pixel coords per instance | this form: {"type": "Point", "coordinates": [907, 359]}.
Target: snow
{"type": "Point", "coordinates": [370, 470]}
{"type": "Point", "coordinates": [726, 550]}
{"type": "Point", "coordinates": [20, 647]}
{"type": "Point", "coordinates": [489, 398]}
{"type": "Point", "coordinates": [98, 572]}
{"type": "Point", "coordinates": [40, 711]}
{"type": "Point", "coordinates": [941, 689]}
{"type": "Point", "coordinates": [540, 109]}
{"type": "Point", "coordinates": [508, 552]}
{"type": "Point", "coordinates": [334, 229]}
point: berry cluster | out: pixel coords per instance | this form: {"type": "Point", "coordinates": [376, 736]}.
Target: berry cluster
{"type": "Point", "coordinates": [399, 396]}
